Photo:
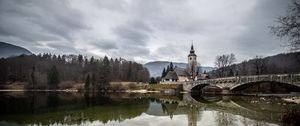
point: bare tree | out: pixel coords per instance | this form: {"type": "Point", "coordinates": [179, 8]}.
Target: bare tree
{"type": "Point", "coordinates": [224, 61]}
{"type": "Point", "coordinates": [242, 68]}
{"type": "Point", "coordinates": [289, 26]}
{"type": "Point", "coordinates": [260, 65]}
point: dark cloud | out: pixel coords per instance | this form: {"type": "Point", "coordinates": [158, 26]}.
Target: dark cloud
{"type": "Point", "coordinates": [132, 50]}
{"type": "Point", "coordinates": [143, 30]}
{"type": "Point", "coordinates": [104, 44]}
{"type": "Point", "coordinates": [133, 32]}
{"type": "Point", "coordinates": [36, 20]}
{"type": "Point", "coordinates": [64, 47]}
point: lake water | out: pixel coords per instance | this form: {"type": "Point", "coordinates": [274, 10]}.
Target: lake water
{"type": "Point", "coordinates": [63, 109]}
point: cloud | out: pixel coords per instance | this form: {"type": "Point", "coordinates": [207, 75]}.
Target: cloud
{"type": "Point", "coordinates": [133, 32]}
{"type": "Point", "coordinates": [144, 30]}
{"type": "Point", "coordinates": [36, 20]}
{"type": "Point", "coordinates": [256, 39]}
{"type": "Point", "coordinates": [104, 44]}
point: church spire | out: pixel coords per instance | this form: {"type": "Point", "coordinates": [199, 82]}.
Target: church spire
{"type": "Point", "coordinates": [192, 49]}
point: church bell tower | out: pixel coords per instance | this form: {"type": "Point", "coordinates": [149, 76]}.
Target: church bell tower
{"type": "Point", "coordinates": [192, 63]}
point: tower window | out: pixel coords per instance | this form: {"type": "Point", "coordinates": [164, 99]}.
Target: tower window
{"type": "Point", "coordinates": [190, 58]}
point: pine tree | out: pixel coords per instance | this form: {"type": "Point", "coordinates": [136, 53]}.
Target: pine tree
{"type": "Point", "coordinates": [53, 77]}
{"type": "Point", "coordinates": [104, 72]}
{"type": "Point", "coordinates": [87, 83]}
{"type": "Point", "coordinates": [93, 82]}
{"type": "Point", "coordinates": [163, 74]}
{"type": "Point", "coordinates": [171, 66]}
{"type": "Point", "coordinates": [152, 80]}
{"type": "Point", "coordinates": [168, 69]}
{"type": "Point", "coordinates": [33, 77]}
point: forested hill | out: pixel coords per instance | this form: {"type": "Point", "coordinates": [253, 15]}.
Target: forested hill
{"type": "Point", "coordinates": [278, 64]}
{"type": "Point", "coordinates": [9, 50]}
{"type": "Point", "coordinates": [46, 70]}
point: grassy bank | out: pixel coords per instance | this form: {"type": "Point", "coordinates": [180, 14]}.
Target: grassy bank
{"type": "Point", "coordinates": [148, 87]}
{"type": "Point", "coordinates": [113, 87]}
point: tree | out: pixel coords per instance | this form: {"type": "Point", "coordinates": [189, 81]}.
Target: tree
{"type": "Point", "coordinates": [32, 77]}
{"type": "Point", "coordinates": [168, 69]}
{"type": "Point", "coordinates": [3, 71]}
{"type": "Point", "coordinates": [158, 79]}
{"type": "Point", "coordinates": [224, 61]}
{"type": "Point", "coordinates": [80, 60]}
{"type": "Point", "coordinates": [53, 78]}
{"type": "Point", "coordinates": [94, 81]}
{"type": "Point", "coordinates": [242, 68]}
{"type": "Point", "coordinates": [51, 69]}
{"type": "Point", "coordinates": [163, 74]}
{"type": "Point", "coordinates": [259, 65]}
{"type": "Point", "coordinates": [171, 66]}
{"type": "Point", "coordinates": [104, 73]}
{"type": "Point", "coordinates": [152, 80]}
{"type": "Point", "coordinates": [289, 26]}
{"type": "Point", "coordinates": [87, 83]}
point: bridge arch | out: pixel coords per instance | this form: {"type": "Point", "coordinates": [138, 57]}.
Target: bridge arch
{"type": "Point", "coordinates": [198, 88]}
{"type": "Point", "coordinates": [207, 99]}
{"type": "Point", "coordinates": [265, 87]}
{"type": "Point", "coordinates": [206, 88]}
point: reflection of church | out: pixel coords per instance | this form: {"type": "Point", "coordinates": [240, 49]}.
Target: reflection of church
{"type": "Point", "coordinates": [190, 73]}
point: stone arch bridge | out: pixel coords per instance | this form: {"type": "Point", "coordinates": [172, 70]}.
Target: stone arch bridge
{"type": "Point", "coordinates": [233, 83]}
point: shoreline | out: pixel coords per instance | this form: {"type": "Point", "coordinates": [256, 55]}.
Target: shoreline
{"type": "Point", "coordinates": [144, 91]}
{"type": "Point", "coordinates": [48, 90]}
{"type": "Point", "coordinates": [289, 98]}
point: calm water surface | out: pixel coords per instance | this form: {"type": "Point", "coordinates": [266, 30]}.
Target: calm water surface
{"type": "Point", "coordinates": [63, 109]}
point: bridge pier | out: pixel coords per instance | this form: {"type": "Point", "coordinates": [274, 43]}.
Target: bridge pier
{"type": "Point", "coordinates": [226, 91]}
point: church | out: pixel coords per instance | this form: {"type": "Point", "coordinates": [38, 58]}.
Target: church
{"type": "Point", "coordinates": [190, 73]}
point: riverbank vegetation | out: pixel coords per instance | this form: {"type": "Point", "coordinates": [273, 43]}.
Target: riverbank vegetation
{"type": "Point", "coordinates": [48, 71]}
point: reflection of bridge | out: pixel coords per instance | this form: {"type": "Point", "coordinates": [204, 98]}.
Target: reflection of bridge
{"type": "Point", "coordinates": [243, 106]}
{"type": "Point", "coordinates": [235, 83]}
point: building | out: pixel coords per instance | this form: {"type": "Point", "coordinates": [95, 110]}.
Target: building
{"type": "Point", "coordinates": [171, 77]}
{"type": "Point", "coordinates": [192, 68]}
{"type": "Point", "coordinates": [190, 73]}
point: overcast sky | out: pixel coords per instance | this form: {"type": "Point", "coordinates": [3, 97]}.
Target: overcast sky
{"type": "Point", "coordinates": [144, 30]}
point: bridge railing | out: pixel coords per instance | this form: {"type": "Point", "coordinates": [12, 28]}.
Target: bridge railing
{"type": "Point", "coordinates": [284, 78]}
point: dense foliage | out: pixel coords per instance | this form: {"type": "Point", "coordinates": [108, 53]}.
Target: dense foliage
{"type": "Point", "coordinates": [47, 70]}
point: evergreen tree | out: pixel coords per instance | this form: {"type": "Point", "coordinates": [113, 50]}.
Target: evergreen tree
{"type": "Point", "coordinates": [104, 72]}
{"type": "Point", "coordinates": [32, 77]}
{"type": "Point", "coordinates": [93, 82]}
{"type": "Point", "coordinates": [87, 83]}
{"type": "Point", "coordinates": [53, 78]}
{"type": "Point", "coordinates": [171, 66]}
{"type": "Point", "coordinates": [50, 69]}
{"type": "Point", "coordinates": [163, 74]}
{"type": "Point", "coordinates": [152, 80]}
{"type": "Point", "coordinates": [80, 60]}
{"type": "Point", "coordinates": [168, 69]}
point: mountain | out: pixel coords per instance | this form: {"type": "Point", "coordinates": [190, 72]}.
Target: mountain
{"type": "Point", "coordinates": [155, 68]}
{"type": "Point", "coordinates": [9, 50]}
{"type": "Point", "coordinates": [284, 63]}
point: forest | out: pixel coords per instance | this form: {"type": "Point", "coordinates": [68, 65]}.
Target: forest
{"type": "Point", "coordinates": [285, 63]}
{"type": "Point", "coordinates": [49, 71]}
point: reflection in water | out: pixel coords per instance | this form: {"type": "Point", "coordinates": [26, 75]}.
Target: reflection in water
{"type": "Point", "coordinates": [52, 108]}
